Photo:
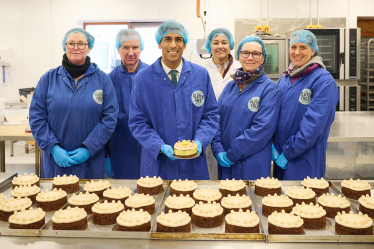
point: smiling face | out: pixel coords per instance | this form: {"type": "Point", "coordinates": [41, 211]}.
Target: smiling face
{"type": "Point", "coordinates": [172, 45]}
{"type": "Point", "coordinates": [250, 64]}
{"type": "Point", "coordinates": [75, 55]}
{"type": "Point", "coordinates": [130, 52]}
{"type": "Point", "coordinates": [220, 47]}
{"type": "Point", "coordinates": [300, 53]}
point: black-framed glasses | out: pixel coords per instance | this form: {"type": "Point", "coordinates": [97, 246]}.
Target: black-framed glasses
{"type": "Point", "coordinates": [71, 45]}
{"type": "Point", "coordinates": [246, 54]}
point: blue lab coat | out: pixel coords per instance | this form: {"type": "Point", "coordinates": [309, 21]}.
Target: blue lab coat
{"type": "Point", "coordinates": [61, 114]}
{"type": "Point", "coordinates": [306, 113]}
{"type": "Point", "coordinates": [248, 120]}
{"type": "Point", "coordinates": [124, 148]}
{"type": "Point", "coordinates": [161, 113]}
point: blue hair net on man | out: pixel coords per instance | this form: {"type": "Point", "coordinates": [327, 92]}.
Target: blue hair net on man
{"type": "Point", "coordinates": [252, 39]}
{"type": "Point", "coordinates": [220, 31]}
{"type": "Point", "coordinates": [171, 27]}
{"type": "Point", "coordinates": [128, 34]}
{"type": "Point", "coordinates": [306, 37]}
{"type": "Point", "coordinates": [89, 37]}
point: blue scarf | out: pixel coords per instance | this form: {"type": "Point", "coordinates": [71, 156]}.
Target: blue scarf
{"type": "Point", "coordinates": [242, 77]}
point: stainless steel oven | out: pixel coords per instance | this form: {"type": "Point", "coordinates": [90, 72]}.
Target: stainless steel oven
{"type": "Point", "coordinates": [278, 58]}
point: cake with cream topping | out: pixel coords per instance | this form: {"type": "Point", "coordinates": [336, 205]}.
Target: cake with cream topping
{"type": "Point", "coordinates": [207, 194]}
{"type": "Point", "coordinates": [25, 180]}
{"type": "Point", "coordinates": [69, 184]}
{"type": "Point", "coordinates": [333, 204]}
{"type": "Point", "coordinates": [85, 201]}
{"type": "Point", "coordinates": [70, 219]}
{"type": "Point", "coordinates": [353, 224]}
{"type": "Point", "coordinates": [174, 222]}
{"type": "Point", "coordinates": [242, 222]}
{"type": "Point", "coordinates": [106, 213]}
{"type": "Point", "coordinates": [207, 215]}
{"type": "Point", "coordinates": [320, 187]}
{"type": "Point", "coordinates": [9, 206]}
{"type": "Point", "coordinates": [271, 203]}
{"type": "Point", "coordinates": [182, 187]}
{"type": "Point", "coordinates": [27, 219]}
{"type": "Point", "coordinates": [97, 187]}
{"type": "Point", "coordinates": [132, 220]}
{"type": "Point", "coordinates": [176, 203]}
{"type": "Point", "coordinates": [266, 186]}
{"type": "Point", "coordinates": [29, 191]}
{"type": "Point", "coordinates": [314, 216]}
{"type": "Point", "coordinates": [355, 189]}
{"type": "Point", "coordinates": [185, 149]}
{"type": "Point", "coordinates": [117, 194]}
{"type": "Point", "coordinates": [51, 200]}
{"type": "Point", "coordinates": [149, 186]}
{"type": "Point", "coordinates": [2, 197]}
{"type": "Point", "coordinates": [236, 203]}
{"type": "Point", "coordinates": [367, 205]}
{"type": "Point", "coordinates": [300, 195]}
{"type": "Point", "coordinates": [232, 187]}
{"type": "Point", "coordinates": [141, 201]}
{"type": "Point", "coordinates": [285, 223]}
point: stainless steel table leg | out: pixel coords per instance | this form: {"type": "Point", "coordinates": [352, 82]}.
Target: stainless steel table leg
{"type": "Point", "coordinates": [2, 156]}
{"type": "Point", "coordinates": [37, 160]}
{"type": "Point", "coordinates": [11, 148]}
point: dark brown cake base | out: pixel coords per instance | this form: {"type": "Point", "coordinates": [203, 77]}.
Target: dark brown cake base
{"type": "Point", "coordinates": [235, 229]}
{"type": "Point", "coordinates": [306, 201]}
{"type": "Point", "coordinates": [116, 200]}
{"type": "Point", "coordinates": [281, 230]}
{"type": "Point", "coordinates": [184, 157]}
{"type": "Point", "coordinates": [353, 194]}
{"type": "Point", "coordinates": [150, 208]}
{"type": "Point", "coordinates": [317, 223]}
{"type": "Point", "coordinates": [368, 211]}
{"type": "Point", "coordinates": [266, 210]}
{"type": "Point", "coordinates": [31, 197]}
{"type": "Point", "coordinates": [320, 191]}
{"type": "Point", "coordinates": [266, 191]}
{"type": "Point", "coordinates": [178, 193]}
{"type": "Point", "coordinates": [49, 206]}
{"type": "Point", "coordinates": [144, 227]}
{"type": "Point", "coordinates": [37, 184]}
{"type": "Point", "coordinates": [105, 219]}
{"type": "Point", "coordinates": [207, 222]}
{"type": "Point", "coordinates": [226, 192]}
{"type": "Point", "coordinates": [332, 212]}
{"type": "Point", "coordinates": [87, 208]}
{"type": "Point", "coordinates": [187, 210]}
{"type": "Point", "coordinates": [342, 230]}
{"type": "Point", "coordinates": [77, 225]}
{"type": "Point", "coordinates": [68, 188]}
{"type": "Point", "coordinates": [228, 210]}
{"type": "Point", "coordinates": [4, 216]}
{"type": "Point", "coordinates": [98, 193]}
{"type": "Point", "coordinates": [35, 225]}
{"type": "Point", "coordinates": [197, 201]}
{"type": "Point", "coordinates": [149, 191]}
{"type": "Point", "coordinates": [182, 229]}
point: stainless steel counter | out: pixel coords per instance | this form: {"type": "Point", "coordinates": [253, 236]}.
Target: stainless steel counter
{"type": "Point", "coordinates": [6, 178]}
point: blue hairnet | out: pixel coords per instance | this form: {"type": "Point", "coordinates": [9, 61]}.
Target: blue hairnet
{"type": "Point", "coordinates": [306, 37]}
{"type": "Point", "coordinates": [252, 39]}
{"type": "Point", "coordinates": [89, 37]}
{"type": "Point", "coordinates": [171, 27]}
{"type": "Point", "coordinates": [128, 34]}
{"type": "Point", "coordinates": [220, 31]}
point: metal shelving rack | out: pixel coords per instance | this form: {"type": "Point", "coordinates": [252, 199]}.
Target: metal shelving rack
{"type": "Point", "coordinates": [367, 74]}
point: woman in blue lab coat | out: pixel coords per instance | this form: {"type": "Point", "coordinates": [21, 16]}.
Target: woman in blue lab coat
{"type": "Point", "coordinates": [249, 108]}
{"type": "Point", "coordinates": [309, 96]}
{"type": "Point", "coordinates": [74, 112]}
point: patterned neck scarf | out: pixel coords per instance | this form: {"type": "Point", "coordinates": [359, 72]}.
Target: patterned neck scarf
{"type": "Point", "coordinates": [242, 77]}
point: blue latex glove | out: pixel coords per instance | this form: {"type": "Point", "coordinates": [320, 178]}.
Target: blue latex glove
{"type": "Point", "coordinates": [226, 159]}
{"type": "Point", "coordinates": [80, 155]}
{"type": "Point", "coordinates": [108, 167]}
{"type": "Point", "coordinates": [221, 161]}
{"type": "Point", "coordinates": [168, 151]}
{"type": "Point", "coordinates": [282, 161]}
{"type": "Point", "coordinates": [61, 157]}
{"type": "Point", "coordinates": [274, 153]}
{"type": "Point", "coordinates": [199, 146]}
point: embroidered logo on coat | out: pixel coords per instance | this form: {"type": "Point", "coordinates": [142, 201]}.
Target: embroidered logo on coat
{"type": "Point", "coordinates": [98, 96]}
{"type": "Point", "coordinates": [305, 96]}
{"type": "Point", "coordinates": [254, 104]}
{"type": "Point", "coordinates": [198, 98]}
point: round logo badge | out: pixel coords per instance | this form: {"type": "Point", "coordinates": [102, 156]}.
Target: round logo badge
{"type": "Point", "coordinates": [305, 96]}
{"type": "Point", "coordinates": [198, 98]}
{"type": "Point", "coordinates": [254, 104]}
{"type": "Point", "coordinates": [98, 96]}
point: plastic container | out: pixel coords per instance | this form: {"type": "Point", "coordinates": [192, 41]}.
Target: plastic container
{"type": "Point", "coordinates": [16, 115]}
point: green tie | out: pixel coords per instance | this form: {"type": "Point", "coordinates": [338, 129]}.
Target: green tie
{"type": "Point", "coordinates": [173, 74]}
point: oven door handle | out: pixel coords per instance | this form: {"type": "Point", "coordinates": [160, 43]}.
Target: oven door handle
{"type": "Point", "coordinates": [342, 58]}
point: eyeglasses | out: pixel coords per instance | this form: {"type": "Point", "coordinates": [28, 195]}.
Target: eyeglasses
{"type": "Point", "coordinates": [246, 54]}
{"type": "Point", "coordinates": [71, 45]}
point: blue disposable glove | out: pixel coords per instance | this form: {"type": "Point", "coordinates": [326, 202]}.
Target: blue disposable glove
{"type": "Point", "coordinates": [61, 157]}
{"type": "Point", "coordinates": [168, 151]}
{"type": "Point", "coordinates": [80, 155]}
{"type": "Point", "coordinates": [282, 161]}
{"type": "Point", "coordinates": [221, 161]}
{"type": "Point", "coordinates": [226, 159]}
{"type": "Point", "coordinates": [199, 146]}
{"type": "Point", "coordinates": [108, 167]}
{"type": "Point", "coordinates": [274, 153]}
